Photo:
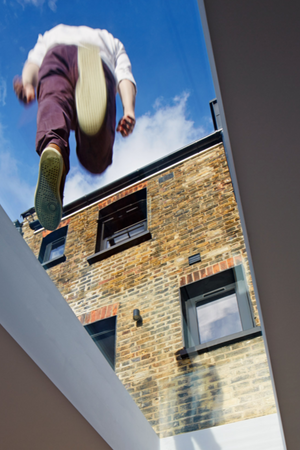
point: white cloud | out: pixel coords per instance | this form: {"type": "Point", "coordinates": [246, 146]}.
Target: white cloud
{"type": "Point", "coordinates": [156, 134]}
{"type": "Point", "coordinates": [3, 91]}
{"type": "Point", "coordinates": [52, 5]}
{"type": "Point", "coordinates": [36, 3]}
{"type": "Point", "coordinates": [39, 3]}
{"type": "Point", "coordinates": [16, 195]}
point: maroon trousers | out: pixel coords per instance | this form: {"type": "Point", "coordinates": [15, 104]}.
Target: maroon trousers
{"type": "Point", "coordinates": [56, 116]}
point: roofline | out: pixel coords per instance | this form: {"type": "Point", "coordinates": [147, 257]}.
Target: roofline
{"type": "Point", "coordinates": [140, 174]}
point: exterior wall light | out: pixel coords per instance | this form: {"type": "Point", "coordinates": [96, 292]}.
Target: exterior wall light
{"type": "Point", "coordinates": [136, 315]}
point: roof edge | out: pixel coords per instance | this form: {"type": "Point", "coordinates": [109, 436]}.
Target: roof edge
{"type": "Point", "coordinates": [136, 176]}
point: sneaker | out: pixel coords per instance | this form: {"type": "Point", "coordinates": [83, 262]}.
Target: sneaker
{"type": "Point", "coordinates": [48, 195]}
{"type": "Point", "coordinates": [90, 92]}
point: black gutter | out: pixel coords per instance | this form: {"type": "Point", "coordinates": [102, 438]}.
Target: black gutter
{"type": "Point", "coordinates": [140, 174]}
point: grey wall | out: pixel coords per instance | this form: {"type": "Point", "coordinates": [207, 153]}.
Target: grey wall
{"type": "Point", "coordinates": [34, 414]}
{"type": "Point", "coordinates": [35, 315]}
{"type": "Point", "coordinates": [254, 53]}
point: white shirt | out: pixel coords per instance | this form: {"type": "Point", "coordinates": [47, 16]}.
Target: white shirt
{"type": "Point", "coordinates": [112, 51]}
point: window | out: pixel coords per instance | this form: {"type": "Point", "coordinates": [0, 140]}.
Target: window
{"type": "Point", "coordinates": [53, 247]}
{"type": "Point", "coordinates": [103, 333]}
{"type": "Point", "coordinates": [121, 225]}
{"type": "Point", "coordinates": [216, 310]}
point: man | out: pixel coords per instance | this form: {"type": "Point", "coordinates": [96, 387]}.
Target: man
{"type": "Point", "coordinates": [76, 72]}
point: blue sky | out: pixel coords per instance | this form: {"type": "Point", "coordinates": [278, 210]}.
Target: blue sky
{"type": "Point", "coordinates": [165, 43]}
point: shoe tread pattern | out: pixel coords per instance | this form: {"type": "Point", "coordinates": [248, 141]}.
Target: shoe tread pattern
{"type": "Point", "coordinates": [48, 204]}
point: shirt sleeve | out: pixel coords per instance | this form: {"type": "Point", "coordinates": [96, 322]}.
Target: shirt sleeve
{"type": "Point", "coordinates": [37, 54]}
{"type": "Point", "coordinates": [122, 64]}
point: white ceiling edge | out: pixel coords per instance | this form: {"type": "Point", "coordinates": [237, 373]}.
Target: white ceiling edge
{"type": "Point", "coordinates": [35, 314]}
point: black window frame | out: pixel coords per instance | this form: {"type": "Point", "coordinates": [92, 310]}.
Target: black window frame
{"type": "Point", "coordinates": [104, 327]}
{"type": "Point", "coordinates": [208, 290]}
{"type": "Point", "coordinates": [48, 244]}
{"type": "Point", "coordinates": [119, 219]}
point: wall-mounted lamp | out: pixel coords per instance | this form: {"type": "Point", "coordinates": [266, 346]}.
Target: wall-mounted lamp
{"type": "Point", "coordinates": [137, 316]}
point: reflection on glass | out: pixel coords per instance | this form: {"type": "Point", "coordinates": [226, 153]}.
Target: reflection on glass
{"type": "Point", "coordinates": [120, 238]}
{"type": "Point", "coordinates": [56, 252]}
{"type": "Point", "coordinates": [137, 230]}
{"type": "Point", "coordinates": [218, 318]}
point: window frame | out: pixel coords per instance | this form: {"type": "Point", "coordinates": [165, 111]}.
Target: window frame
{"type": "Point", "coordinates": [189, 303]}
{"type": "Point", "coordinates": [112, 214]}
{"type": "Point", "coordinates": [47, 246]}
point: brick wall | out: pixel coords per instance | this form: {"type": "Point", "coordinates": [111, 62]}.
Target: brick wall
{"type": "Point", "coordinates": [194, 211]}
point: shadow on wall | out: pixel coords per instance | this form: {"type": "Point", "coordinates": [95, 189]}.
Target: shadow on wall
{"type": "Point", "coordinates": [188, 399]}
{"type": "Point", "coordinates": [199, 397]}
{"type": "Point", "coordinates": [186, 442]}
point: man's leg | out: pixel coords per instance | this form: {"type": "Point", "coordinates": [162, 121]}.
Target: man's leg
{"type": "Point", "coordinates": [56, 116]}
{"type": "Point", "coordinates": [95, 152]}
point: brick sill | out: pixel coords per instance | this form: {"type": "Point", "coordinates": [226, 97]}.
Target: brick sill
{"type": "Point", "coordinates": [103, 254]}
{"type": "Point", "coordinates": [212, 345]}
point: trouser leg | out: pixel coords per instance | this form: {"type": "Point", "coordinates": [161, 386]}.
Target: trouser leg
{"type": "Point", "coordinates": [57, 111]}
{"type": "Point", "coordinates": [56, 106]}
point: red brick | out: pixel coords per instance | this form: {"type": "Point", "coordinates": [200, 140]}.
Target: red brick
{"type": "Point", "coordinates": [230, 262]}
{"type": "Point", "coordinates": [196, 276]}
{"type": "Point", "coordinates": [182, 281]}
{"type": "Point", "coordinates": [202, 273]}
{"type": "Point", "coordinates": [109, 311]}
{"type": "Point", "coordinates": [81, 318]}
{"type": "Point", "coordinates": [209, 271]}
{"type": "Point", "coordinates": [87, 318]}
{"type": "Point", "coordinates": [95, 315]}
{"type": "Point", "coordinates": [115, 309]}
{"type": "Point", "coordinates": [103, 312]}
{"type": "Point", "coordinates": [216, 268]}
{"type": "Point", "coordinates": [223, 265]}
{"type": "Point", "coordinates": [102, 204]}
{"type": "Point", "coordinates": [189, 278]}
{"type": "Point", "coordinates": [238, 259]}
{"type": "Point", "coordinates": [104, 281]}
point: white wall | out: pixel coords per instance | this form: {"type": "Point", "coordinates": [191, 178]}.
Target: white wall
{"type": "Point", "coordinates": [262, 433]}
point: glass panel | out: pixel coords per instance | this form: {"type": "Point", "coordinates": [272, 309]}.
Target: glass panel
{"type": "Point", "coordinates": [137, 230]}
{"type": "Point", "coordinates": [106, 343]}
{"type": "Point", "coordinates": [120, 238]}
{"type": "Point", "coordinates": [103, 333]}
{"type": "Point", "coordinates": [218, 318]}
{"type": "Point", "coordinates": [56, 249]}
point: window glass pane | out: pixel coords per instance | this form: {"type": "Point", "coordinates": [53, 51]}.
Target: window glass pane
{"type": "Point", "coordinates": [120, 238]}
{"type": "Point", "coordinates": [137, 230]}
{"type": "Point", "coordinates": [218, 318]}
{"type": "Point", "coordinates": [57, 251]}
{"type": "Point", "coordinates": [103, 333]}
{"type": "Point", "coordinates": [106, 343]}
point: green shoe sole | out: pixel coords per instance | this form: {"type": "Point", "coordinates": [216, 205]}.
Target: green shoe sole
{"type": "Point", "coordinates": [47, 200]}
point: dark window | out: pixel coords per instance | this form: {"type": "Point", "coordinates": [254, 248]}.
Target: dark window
{"type": "Point", "coordinates": [53, 248]}
{"type": "Point", "coordinates": [216, 310]}
{"type": "Point", "coordinates": [103, 333]}
{"type": "Point", "coordinates": [121, 225]}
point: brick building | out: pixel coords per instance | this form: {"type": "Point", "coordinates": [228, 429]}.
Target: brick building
{"type": "Point", "coordinates": [167, 241]}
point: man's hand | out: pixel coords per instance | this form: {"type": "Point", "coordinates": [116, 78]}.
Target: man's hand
{"type": "Point", "coordinates": [25, 94]}
{"type": "Point", "coordinates": [126, 125]}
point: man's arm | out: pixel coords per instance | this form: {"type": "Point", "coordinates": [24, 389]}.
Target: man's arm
{"type": "Point", "coordinates": [25, 87]}
{"type": "Point", "coordinates": [127, 93]}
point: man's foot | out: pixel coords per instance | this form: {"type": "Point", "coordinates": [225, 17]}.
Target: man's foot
{"type": "Point", "coordinates": [90, 92]}
{"type": "Point", "coordinates": [48, 193]}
